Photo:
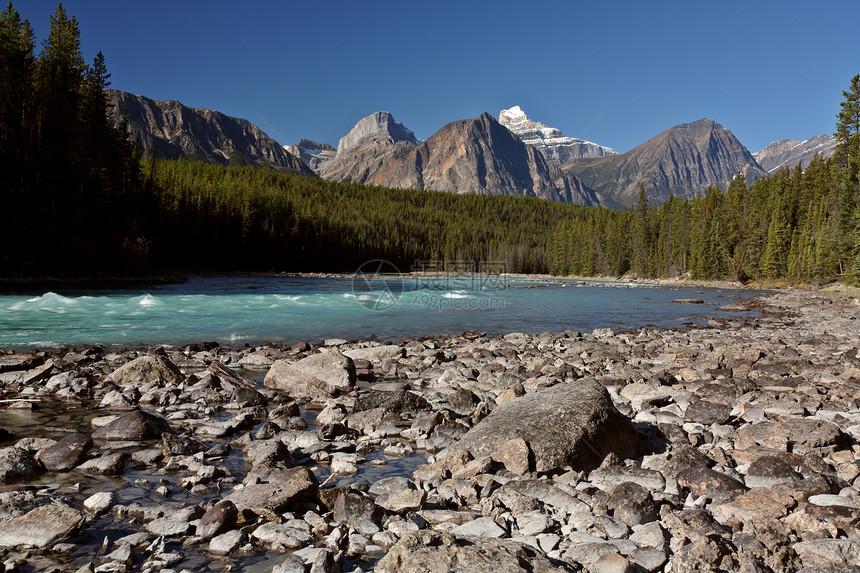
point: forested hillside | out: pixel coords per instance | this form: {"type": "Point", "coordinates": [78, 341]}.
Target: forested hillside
{"type": "Point", "coordinates": [79, 200]}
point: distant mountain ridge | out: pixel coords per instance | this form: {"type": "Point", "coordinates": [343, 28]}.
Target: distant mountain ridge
{"type": "Point", "coordinates": [476, 155]}
{"type": "Point", "coordinates": [314, 154]}
{"type": "Point", "coordinates": [516, 156]}
{"type": "Point", "coordinates": [682, 161]}
{"type": "Point", "coordinates": [787, 153]}
{"type": "Point", "coordinates": [556, 147]}
{"type": "Point", "coordinates": [174, 130]}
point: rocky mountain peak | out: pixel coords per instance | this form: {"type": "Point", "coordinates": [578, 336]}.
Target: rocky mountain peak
{"type": "Point", "coordinates": [555, 146]}
{"type": "Point", "coordinates": [375, 126]}
{"type": "Point", "coordinates": [682, 161]}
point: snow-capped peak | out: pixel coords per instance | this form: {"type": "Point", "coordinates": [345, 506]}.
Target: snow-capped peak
{"type": "Point", "coordinates": [513, 113]}
{"type": "Point", "coordinates": [557, 147]}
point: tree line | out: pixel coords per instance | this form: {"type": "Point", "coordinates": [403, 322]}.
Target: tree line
{"type": "Point", "coordinates": [68, 179]}
{"type": "Point", "coordinates": [79, 199]}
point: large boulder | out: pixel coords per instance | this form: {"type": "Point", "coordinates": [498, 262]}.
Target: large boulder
{"type": "Point", "coordinates": [67, 453]}
{"type": "Point", "coordinates": [42, 527]}
{"type": "Point", "coordinates": [442, 552]}
{"type": "Point", "coordinates": [134, 426]}
{"type": "Point", "coordinates": [17, 463]}
{"type": "Point", "coordinates": [295, 485]}
{"type": "Point", "coordinates": [573, 424]}
{"type": "Point", "coordinates": [149, 369]}
{"type": "Point", "coordinates": [321, 375]}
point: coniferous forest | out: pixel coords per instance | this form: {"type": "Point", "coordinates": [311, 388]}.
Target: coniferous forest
{"type": "Point", "coordinates": [79, 200]}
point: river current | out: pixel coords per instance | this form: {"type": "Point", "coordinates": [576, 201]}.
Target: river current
{"type": "Point", "coordinates": [244, 309]}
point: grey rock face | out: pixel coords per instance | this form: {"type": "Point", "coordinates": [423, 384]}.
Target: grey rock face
{"type": "Point", "coordinates": [570, 424]}
{"type": "Point", "coordinates": [175, 130]}
{"type": "Point", "coordinates": [377, 125]}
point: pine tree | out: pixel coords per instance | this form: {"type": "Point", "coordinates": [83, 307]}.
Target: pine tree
{"type": "Point", "coordinates": [17, 67]}
{"type": "Point", "coordinates": [848, 154]}
{"type": "Point", "coordinates": [60, 74]}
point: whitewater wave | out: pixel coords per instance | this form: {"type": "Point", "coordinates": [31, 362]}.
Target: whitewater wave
{"type": "Point", "coordinates": [50, 301]}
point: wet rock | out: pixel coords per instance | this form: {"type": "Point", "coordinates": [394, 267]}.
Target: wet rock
{"type": "Point", "coordinates": [441, 552]}
{"type": "Point", "coordinates": [297, 484]}
{"type": "Point", "coordinates": [218, 519]}
{"type": "Point", "coordinates": [107, 464]}
{"type": "Point", "coordinates": [100, 502]}
{"type": "Point", "coordinates": [400, 401]}
{"type": "Point", "coordinates": [42, 527]}
{"type": "Point", "coordinates": [180, 445]}
{"type": "Point", "coordinates": [67, 453]}
{"type": "Point", "coordinates": [357, 512]}
{"type": "Point", "coordinates": [227, 543]}
{"type": "Point", "coordinates": [16, 463]}
{"type": "Point", "coordinates": [134, 426]}
{"type": "Point", "coordinates": [568, 425]}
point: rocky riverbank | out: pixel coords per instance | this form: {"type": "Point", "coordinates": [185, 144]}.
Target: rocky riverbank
{"type": "Point", "coordinates": [728, 446]}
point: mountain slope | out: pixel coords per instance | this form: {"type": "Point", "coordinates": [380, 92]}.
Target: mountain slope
{"type": "Point", "coordinates": [556, 147]}
{"type": "Point", "coordinates": [683, 160]}
{"type": "Point", "coordinates": [477, 156]}
{"type": "Point", "coordinates": [788, 153]}
{"type": "Point", "coordinates": [174, 130]}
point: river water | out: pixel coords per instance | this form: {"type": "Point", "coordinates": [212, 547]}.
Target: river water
{"type": "Point", "coordinates": [237, 310]}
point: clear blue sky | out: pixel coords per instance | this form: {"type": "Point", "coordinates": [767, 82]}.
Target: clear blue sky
{"type": "Point", "coordinates": [616, 73]}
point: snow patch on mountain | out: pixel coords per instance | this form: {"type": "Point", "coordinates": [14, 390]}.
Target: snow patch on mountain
{"type": "Point", "coordinates": [557, 147]}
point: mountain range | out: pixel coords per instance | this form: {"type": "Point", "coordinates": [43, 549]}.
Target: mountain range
{"type": "Point", "coordinates": [172, 130]}
{"type": "Point", "coordinates": [511, 155]}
